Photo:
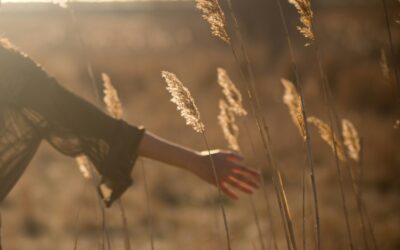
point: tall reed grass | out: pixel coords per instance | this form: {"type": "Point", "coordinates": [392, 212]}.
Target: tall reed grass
{"type": "Point", "coordinates": [188, 110]}
{"type": "Point", "coordinates": [248, 77]}
{"type": "Point", "coordinates": [340, 134]}
{"type": "Point", "coordinates": [230, 107]}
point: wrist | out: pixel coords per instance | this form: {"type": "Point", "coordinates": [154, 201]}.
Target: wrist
{"type": "Point", "coordinates": [197, 161]}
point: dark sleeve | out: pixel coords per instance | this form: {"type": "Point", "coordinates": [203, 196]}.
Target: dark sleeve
{"type": "Point", "coordinates": [72, 125]}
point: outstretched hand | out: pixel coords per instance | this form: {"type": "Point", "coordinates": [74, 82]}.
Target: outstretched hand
{"type": "Point", "coordinates": [230, 171]}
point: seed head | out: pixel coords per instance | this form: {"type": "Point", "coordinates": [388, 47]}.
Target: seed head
{"type": "Point", "coordinates": [326, 134]}
{"type": "Point", "coordinates": [213, 14]}
{"type": "Point", "coordinates": [303, 7]}
{"type": "Point", "coordinates": [292, 99]}
{"type": "Point", "coordinates": [231, 93]}
{"type": "Point", "coordinates": [111, 98]}
{"type": "Point", "coordinates": [351, 140]}
{"type": "Point", "coordinates": [226, 120]}
{"type": "Point", "coordinates": [184, 101]}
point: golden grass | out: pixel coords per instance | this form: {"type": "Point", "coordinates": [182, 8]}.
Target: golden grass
{"type": "Point", "coordinates": [351, 140]}
{"type": "Point", "coordinates": [231, 93]}
{"type": "Point", "coordinates": [293, 100]}
{"type": "Point", "coordinates": [213, 14]}
{"type": "Point", "coordinates": [184, 101]}
{"type": "Point", "coordinates": [303, 7]}
{"type": "Point", "coordinates": [325, 132]}
{"type": "Point", "coordinates": [226, 119]}
{"type": "Point", "coordinates": [111, 98]}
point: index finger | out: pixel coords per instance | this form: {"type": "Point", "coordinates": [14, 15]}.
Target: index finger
{"type": "Point", "coordinates": [247, 171]}
{"type": "Point", "coordinates": [235, 156]}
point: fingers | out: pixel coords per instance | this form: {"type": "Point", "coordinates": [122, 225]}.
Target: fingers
{"type": "Point", "coordinates": [241, 170]}
{"type": "Point", "coordinates": [239, 185]}
{"type": "Point", "coordinates": [234, 156]}
{"type": "Point", "coordinates": [225, 189]}
{"type": "Point", "coordinates": [249, 182]}
{"type": "Point", "coordinates": [246, 171]}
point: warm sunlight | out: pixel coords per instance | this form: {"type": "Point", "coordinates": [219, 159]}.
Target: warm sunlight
{"type": "Point", "coordinates": [50, 1]}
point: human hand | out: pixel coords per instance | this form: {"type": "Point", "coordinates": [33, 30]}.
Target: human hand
{"type": "Point", "coordinates": [230, 172]}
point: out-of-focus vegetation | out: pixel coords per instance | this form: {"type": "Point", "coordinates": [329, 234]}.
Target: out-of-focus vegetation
{"type": "Point", "coordinates": [133, 43]}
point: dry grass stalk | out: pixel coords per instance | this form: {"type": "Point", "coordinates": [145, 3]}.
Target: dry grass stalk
{"type": "Point", "coordinates": [306, 17]}
{"type": "Point", "coordinates": [184, 101]}
{"type": "Point", "coordinates": [384, 65]}
{"type": "Point", "coordinates": [326, 134]}
{"type": "Point", "coordinates": [226, 120]}
{"type": "Point", "coordinates": [351, 140]}
{"type": "Point", "coordinates": [188, 109]}
{"type": "Point", "coordinates": [213, 14]}
{"type": "Point", "coordinates": [114, 108]}
{"type": "Point", "coordinates": [231, 93]}
{"type": "Point", "coordinates": [111, 98]}
{"type": "Point", "coordinates": [1, 226]}
{"type": "Point", "coordinates": [292, 99]}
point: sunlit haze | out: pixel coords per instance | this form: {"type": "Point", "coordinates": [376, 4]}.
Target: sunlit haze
{"type": "Point", "coordinates": [50, 1]}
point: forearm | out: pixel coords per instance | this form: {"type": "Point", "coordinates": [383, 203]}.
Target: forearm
{"type": "Point", "coordinates": [228, 167]}
{"type": "Point", "coordinates": [156, 148]}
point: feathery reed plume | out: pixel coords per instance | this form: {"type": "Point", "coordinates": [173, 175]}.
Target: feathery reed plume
{"type": "Point", "coordinates": [292, 99]}
{"type": "Point", "coordinates": [351, 140]}
{"type": "Point", "coordinates": [114, 108]}
{"type": "Point", "coordinates": [184, 101]}
{"type": "Point", "coordinates": [326, 134]}
{"type": "Point", "coordinates": [231, 93]}
{"type": "Point", "coordinates": [111, 98]}
{"type": "Point", "coordinates": [226, 120]}
{"type": "Point", "coordinates": [84, 166]}
{"type": "Point", "coordinates": [306, 16]}
{"type": "Point", "coordinates": [384, 65]}
{"type": "Point", "coordinates": [188, 109]}
{"type": "Point", "coordinates": [213, 14]}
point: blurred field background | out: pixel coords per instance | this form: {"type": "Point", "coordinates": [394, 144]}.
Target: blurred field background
{"type": "Point", "coordinates": [133, 42]}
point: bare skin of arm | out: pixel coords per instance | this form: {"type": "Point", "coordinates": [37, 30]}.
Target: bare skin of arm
{"type": "Point", "coordinates": [229, 167]}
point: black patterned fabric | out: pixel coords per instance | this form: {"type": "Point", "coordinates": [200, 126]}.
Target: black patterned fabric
{"type": "Point", "coordinates": [34, 107]}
